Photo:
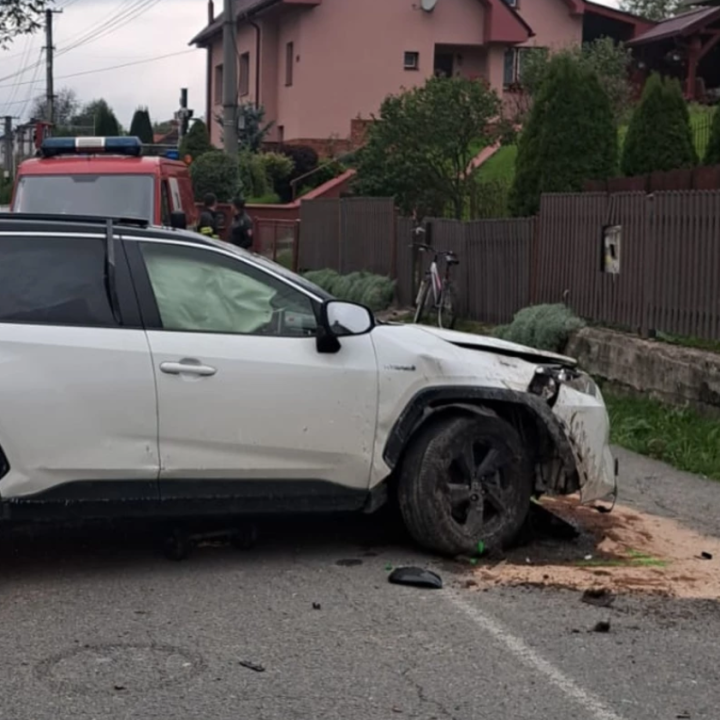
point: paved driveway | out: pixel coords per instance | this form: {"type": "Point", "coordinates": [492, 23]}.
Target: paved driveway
{"type": "Point", "coordinates": [102, 626]}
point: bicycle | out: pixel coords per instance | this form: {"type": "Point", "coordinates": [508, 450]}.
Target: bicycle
{"type": "Point", "coordinates": [444, 296]}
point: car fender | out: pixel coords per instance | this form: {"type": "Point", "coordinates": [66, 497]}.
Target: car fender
{"type": "Point", "coordinates": [480, 400]}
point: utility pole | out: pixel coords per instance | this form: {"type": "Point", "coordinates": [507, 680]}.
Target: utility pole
{"type": "Point", "coordinates": [49, 58]}
{"type": "Point", "coordinates": [184, 115]}
{"type": "Point", "coordinates": [8, 143]}
{"type": "Point", "coordinates": [230, 88]}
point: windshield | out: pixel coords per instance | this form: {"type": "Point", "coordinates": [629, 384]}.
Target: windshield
{"type": "Point", "coordinates": [278, 269]}
{"type": "Point", "coordinates": [129, 196]}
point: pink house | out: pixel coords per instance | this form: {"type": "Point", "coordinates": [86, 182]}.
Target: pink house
{"type": "Point", "coordinates": [321, 68]}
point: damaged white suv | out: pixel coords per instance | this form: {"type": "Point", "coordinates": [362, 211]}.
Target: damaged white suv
{"type": "Point", "coordinates": [155, 372]}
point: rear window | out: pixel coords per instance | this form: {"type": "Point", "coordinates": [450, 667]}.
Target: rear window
{"type": "Point", "coordinates": [129, 196]}
{"type": "Point", "coordinates": [55, 281]}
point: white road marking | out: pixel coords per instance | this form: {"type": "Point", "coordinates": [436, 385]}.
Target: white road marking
{"type": "Point", "coordinates": [593, 706]}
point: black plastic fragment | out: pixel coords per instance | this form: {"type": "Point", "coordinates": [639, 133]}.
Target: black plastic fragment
{"type": "Point", "coordinates": [252, 666]}
{"type": "Point", "coordinates": [416, 577]}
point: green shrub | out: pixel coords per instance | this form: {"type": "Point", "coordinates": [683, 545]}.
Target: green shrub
{"type": "Point", "coordinates": [712, 151]}
{"type": "Point", "coordinates": [215, 172]}
{"type": "Point", "coordinates": [545, 327]}
{"type": "Point", "coordinates": [197, 141]}
{"type": "Point", "coordinates": [374, 291]}
{"type": "Point", "coordinates": [278, 167]}
{"type": "Point", "coordinates": [253, 176]}
{"type": "Point", "coordinates": [659, 136]}
{"type": "Point", "coordinates": [570, 137]}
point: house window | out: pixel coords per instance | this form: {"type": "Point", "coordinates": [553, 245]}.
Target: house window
{"type": "Point", "coordinates": [514, 62]}
{"type": "Point", "coordinates": [218, 89]}
{"type": "Point", "coordinates": [412, 61]}
{"type": "Point", "coordinates": [289, 63]}
{"type": "Point", "coordinates": [244, 74]}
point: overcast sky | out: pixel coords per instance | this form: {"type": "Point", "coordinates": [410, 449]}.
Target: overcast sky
{"type": "Point", "coordinates": [152, 28]}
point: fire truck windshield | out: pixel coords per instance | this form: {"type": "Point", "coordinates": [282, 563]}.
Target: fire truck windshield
{"type": "Point", "coordinates": [128, 196]}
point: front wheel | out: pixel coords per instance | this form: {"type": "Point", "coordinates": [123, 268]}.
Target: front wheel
{"type": "Point", "coordinates": [447, 309]}
{"type": "Point", "coordinates": [465, 480]}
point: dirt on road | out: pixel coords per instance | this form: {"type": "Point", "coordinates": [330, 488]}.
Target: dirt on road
{"type": "Point", "coordinates": [622, 551]}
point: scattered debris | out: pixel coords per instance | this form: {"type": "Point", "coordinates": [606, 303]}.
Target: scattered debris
{"type": "Point", "coordinates": [388, 567]}
{"type": "Point", "coordinates": [631, 551]}
{"type": "Point", "coordinates": [118, 687]}
{"type": "Point", "coordinates": [683, 716]}
{"type": "Point", "coordinates": [706, 555]}
{"type": "Point", "coordinates": [252, 666]}
{"type": "Point", "coordinates": [317, 606]}
{"type": "Point", "coordinates": [602, 627]}
{"type": "Point", "coordinates": [416, 577]}
{"type": "Point", "coordinates": [600, 597]}
{"type": "Point", "coordinates": [470, 583]}
{"type": "Point", "coordinates": [349, 562]}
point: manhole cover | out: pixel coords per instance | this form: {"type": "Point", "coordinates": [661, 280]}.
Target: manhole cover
{"type": "Point", "coordinates": [120, 667]}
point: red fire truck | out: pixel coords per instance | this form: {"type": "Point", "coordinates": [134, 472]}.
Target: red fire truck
{"type": "Point", "coordinates": [105, 176]}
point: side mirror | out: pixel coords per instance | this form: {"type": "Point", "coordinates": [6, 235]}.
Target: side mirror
{"type": "Point", "coordinates": [342, 319]}
{"type": "Point", "coordinates": [178, 220]}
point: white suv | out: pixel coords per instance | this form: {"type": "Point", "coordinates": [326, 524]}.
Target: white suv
{"type": "Point", "coordinates": [155, 372]}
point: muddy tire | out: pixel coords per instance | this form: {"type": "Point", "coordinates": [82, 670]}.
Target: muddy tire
{"type": "Point", "coordinates": [465, 479]}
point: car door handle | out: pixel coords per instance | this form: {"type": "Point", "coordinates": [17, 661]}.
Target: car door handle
{"type": "Point", "coordinates": [187, 367]}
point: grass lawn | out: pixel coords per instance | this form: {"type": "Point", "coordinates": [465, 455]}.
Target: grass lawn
{"type": "Point", "coordinates": [501, 166]}
{"type": "Point", "coordinates": [678, 436]}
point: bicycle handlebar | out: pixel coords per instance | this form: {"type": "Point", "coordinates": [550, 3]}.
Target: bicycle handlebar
{"type": "Point", "coordinates": [429, 248]}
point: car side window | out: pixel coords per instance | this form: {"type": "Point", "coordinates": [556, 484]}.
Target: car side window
{"type": "Point", "coordinates": [199, 290]}
{"type": "Point", "coordinates": [54, 281]}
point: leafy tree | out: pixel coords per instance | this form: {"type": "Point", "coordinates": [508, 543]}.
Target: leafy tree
{"type": "Point", "coordinates": [67, 106]}
{"type": "Point", "coordinates": [610, 61]}
{"type": "Point", "coordinates": [99, 116]}
{"type": "Point", "coordinates": [712, 152]}
{"type": "Point", "coordinates": [653, 9]}
{"type": "Point", "coordinates": [570, 137]}
{"type": "Point", "coordinates": [141, 126]}
{"type": "Point", "coordinates": [196, 142]}
{"type": "Point", "coordinates": [659, 136]}
{"type": "Point", "coordinates": [20, 17]}
{"type": "Point", "coordinates": [419, 149]}
{"type": "Point", "coordinates": [215, 172]}
{"type": "Point", "coordinates": [251, 126]}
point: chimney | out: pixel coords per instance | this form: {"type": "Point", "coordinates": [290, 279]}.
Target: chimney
{"type": "Point", "coordinates": [211, 11]}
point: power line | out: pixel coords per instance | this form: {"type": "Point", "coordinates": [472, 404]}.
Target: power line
{"type": "Point", "coordinates": [103, 29]}
{"type": "Point", "coordinates": [104, 69]}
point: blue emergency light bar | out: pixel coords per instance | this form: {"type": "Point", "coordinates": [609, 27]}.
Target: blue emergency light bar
{"type": "Point", "coordinates": [172, 155]}
{"type": "Point", "coordinates": [53, 147]}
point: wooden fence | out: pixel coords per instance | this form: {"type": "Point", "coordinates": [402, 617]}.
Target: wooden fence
{"type": "Point", "coordinates": [667, 269]}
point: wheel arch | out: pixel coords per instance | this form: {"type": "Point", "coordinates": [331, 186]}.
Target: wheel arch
{"type": "Point", "coordinates": [530, 415]}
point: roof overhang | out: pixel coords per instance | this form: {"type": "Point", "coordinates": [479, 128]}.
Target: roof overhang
{"type": "Point", "coordinates": [503, 24]}
{"type": "Point", "coordinates": [245, 9]}
{"type": "Point", "coordinates": [680, 26]}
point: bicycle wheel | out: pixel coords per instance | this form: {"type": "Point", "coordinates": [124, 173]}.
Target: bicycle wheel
{"type": "Point", "coordinates": [421, 302]}
{"type": "Point", "coordinates": [447, 307]}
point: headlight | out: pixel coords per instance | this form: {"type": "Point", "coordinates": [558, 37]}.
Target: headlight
{"type": "Point", "coordinates": [546, 384]}
{"type": "Point", "coordinates": [548, 379]}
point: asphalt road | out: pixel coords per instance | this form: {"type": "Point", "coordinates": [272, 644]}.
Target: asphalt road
{"type": "Point", "coordinates": [99, 625]}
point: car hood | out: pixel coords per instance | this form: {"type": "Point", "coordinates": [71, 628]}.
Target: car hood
{"type": "Point", "coordinates": [471, 341]}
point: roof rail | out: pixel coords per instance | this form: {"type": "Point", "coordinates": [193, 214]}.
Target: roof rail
{"type": "Point", "coordinates": [90, 219]}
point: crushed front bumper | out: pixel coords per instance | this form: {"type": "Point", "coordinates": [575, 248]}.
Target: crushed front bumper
{"type": "Point", "coordinates": [585, 422]}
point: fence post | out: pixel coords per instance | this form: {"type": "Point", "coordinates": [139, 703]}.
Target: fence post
{"type": "Point", "coordinates": [534, 253]}
{"type": "Point", "coordinates": [394, 255]}
{"type": "Point", "coordinates": [648, 273]}
{"type": "Point", "coordinates": [341, 205]}
{"type": "Point", "coordinates": [296, 246]}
